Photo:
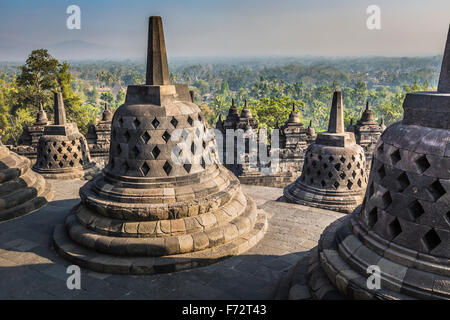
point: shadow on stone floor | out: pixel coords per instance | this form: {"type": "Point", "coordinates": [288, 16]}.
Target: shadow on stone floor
{"type": "Point", "coordinates": [31, 269]}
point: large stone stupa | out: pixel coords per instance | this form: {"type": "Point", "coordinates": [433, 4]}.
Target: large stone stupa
{"type": "Point", "coordinates": [62, 151]}
{"type": "Point", "coordinates": [403, 226]}
{"type": "Point", "coordinates": [21, 190]}
{"type": "Point", "coordinates": [149, 212]}
{"type": "Point", "coordinates": [333, 175]}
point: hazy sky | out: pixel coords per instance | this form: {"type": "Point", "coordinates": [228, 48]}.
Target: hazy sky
{"type": "Point", "coordinates": [116, 28]}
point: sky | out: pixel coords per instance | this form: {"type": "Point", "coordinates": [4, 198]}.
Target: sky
{"type": "Point", "coordinates": [117, 29]}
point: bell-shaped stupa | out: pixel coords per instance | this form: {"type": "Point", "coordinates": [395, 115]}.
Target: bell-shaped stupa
{"type": "Point", "coordinates": [402, 229]}
{"type": "Point", "coordinates": [63, 152]}
{"type": "Point", "coordinates": [333, 175]}
{"type": "Point", "coordinates": [21, 190]}
{"type": "Point", "coordinates": [163, 203]}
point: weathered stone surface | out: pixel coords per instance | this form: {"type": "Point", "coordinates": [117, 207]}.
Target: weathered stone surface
{"type": "Point", "coordinates": [21, 190]}
{"type": "Point", "coordinates": [333, 175]}
{"type": "Point", "coordinates": [98, 138]}
{"type": "Point", "coordinates": [163, 203]}
{"type": "Point", "coordinates": [62, 152]}
{"type": "Point", "coordinates": [403, 225]}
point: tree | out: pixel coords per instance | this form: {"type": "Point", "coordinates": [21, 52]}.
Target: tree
{"type": "Point", "coordinates": [37, 80]}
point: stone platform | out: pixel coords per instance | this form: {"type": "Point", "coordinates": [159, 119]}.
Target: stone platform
{"type": "Point", "coordinates": [31, 268]}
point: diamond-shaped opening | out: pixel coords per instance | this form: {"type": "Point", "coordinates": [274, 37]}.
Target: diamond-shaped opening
{"type": "Point", "coordinates": [431, 240]}
{"type": "Point", "coordinates": [127, 136]}
{"type": "Point", "coordinates": [136, 123]}
{"type": "Point", "coordinates": [190, 121]}
{"type": "Point", "coordinates": [145, 168]}
{"type": "Point", "coordinates": [311, 180]}
{"type": "Point", "coordinates": [81, 161]}
{"type": "Point", "coordinates": [184, 135]}
{"type": "Point", "coordinates": [382, 172]}
{"type": "Point", "coordinates": [323, 183]}
{"type": "Point", "coordinates": [342, 159]}
{"type": "Point", "coordinates": [166, 136]}
{"type": "Point", "coordinates": [203, 163]}
{"type": "Point", "coordinates": [358, 165]}
{"type": "Point", "coordinates": [71, 163]}
{"type": "Point", "coordinates": [320, 157]}
{"type": "Point", "coordinates": [54, 144]}
{"type": "Point", "coordinates": [197, 132]}
{"type": "Point", "coordinates": [336, 184]}
{"type": "Point", "coordinates": [337, 166]}
{"type": "Point", "coordinates": [325, 166]}
{"type": "Point", "coordinates": [415, 209]}
{"type": "Point", "coordinates": [167, 168]}
{"type": "Point", "coordinates": [359, 183]}
{"type": "Point", "coordinates": [156, 152]}
{"type": "Point", "coordinates": [199, 117]}
{"type": "Point", "coordinates": [73, 142]}
{"type": "Point", "coordinates": [395, 156]}
{"type": "Point", "coordinates": [59, 150]}
{"type": "Point", "coordinates": [48, 150]}
{"type": "Point", "coordinates": [394, 228]}
{"type": "Point", "coordinates": [204, 144]}
{"type": "Point", "coordinates": [349, 166]}
{"type": "Point", "coordinates": [187, 167]}
{"type": "Point", "coordinates": [135, 151]}
{"type": "Point", "coordinates": [61, 164]}
{"type": "Point", "coordinates": [319, 173]}
{"type": "Point", "coordinates": [75, 155]}
{"type": "Point", "coordinates": [330, 174]}
{"type": "Point", "coordinates": [193, 148]}
{"type": "Point", "coordinates": [146, 137]}
{"type": "Point", "coordinates": [174, 122]}
{"type": "Point", "coordinates": [403, 182]}
{"type": "Point", "coordinates": [50, 165]}
{"type": "Point", "coordinates": [371, 190]}
{"type": "Point", "coordinates": [314, 164]}
{"type": "Point", "coordinates": [342, 175]}
{"type": "Point", "coordinates": [55, 157]}
{"type": "Point", "coordinates": [349, 185]}
{"type": "Point", "coordinates": [155, 123]}
{"type": "Point", "coordinates": [121, 121]}
{"type": "Point", "coordinates": [63, 143]}
{"type": "Point", "coordinates": [353, 158]}
{"type": "Point", "coordinates": [448, 217]}
{"type": "Point", "coordinates": [386, 199]}
{"type": "Point", "coordinates": [65, 156]}
{"type": "Point", "coordinates": [436, 190]}
{"type": "Point", "coordinates": [422, 163]}
{"type": "Point", "coordinates": [354, 174]}
{"type": "Point", "coordinates": [79, 148]}
{"type": "Point", "coordinates": [372, 217]}
{"type": "Point", "coordinates": [69, 148]}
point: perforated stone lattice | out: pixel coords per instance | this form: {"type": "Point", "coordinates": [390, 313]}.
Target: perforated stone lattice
{"type": "Point", "coordinates": [410, 209]}
{"type": "Point", "coordinates": [63, 154]}
{"type": "Point", "coordinates": [336, 172]}
{"type": "Point", "coordinates": [145, 147]}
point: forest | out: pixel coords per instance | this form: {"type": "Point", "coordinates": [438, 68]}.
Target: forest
{"type": "Point", "coordinates": [271, 85]}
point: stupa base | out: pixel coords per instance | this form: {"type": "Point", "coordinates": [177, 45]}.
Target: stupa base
{"type": "Point", "coordinates": [325, 199]}
{"type": "Point", "coordinates": [87, 174]}
{"type": "Point", "coordinates": [334, 270]}
{"type": "Point", "coordinates": [135, 265]}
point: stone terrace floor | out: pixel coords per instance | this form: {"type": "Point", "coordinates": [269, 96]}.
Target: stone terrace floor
{"type": "Point", "coordinates": [31, 269]}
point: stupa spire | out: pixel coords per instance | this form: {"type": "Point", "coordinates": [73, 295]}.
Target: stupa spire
{"type": "Point", "coordinates": [336, 124]}
{"type": "Point", "coordinates": [367, 105]}
{"type": "Point", "coordinates": [157, 66]}
{"type": "Point", "coordinates": [60, 112]}
{"type": "Point", "coordinates": [444, 78]}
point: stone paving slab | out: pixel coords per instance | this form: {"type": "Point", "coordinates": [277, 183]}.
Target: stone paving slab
{"type": "Point", "coordinates": [31, 269]}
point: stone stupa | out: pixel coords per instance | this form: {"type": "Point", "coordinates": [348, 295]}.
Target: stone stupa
{"type": "Point", "coordinates": [403, 226]}
{"type": "Point", "coordinates": [63, 152]}
{"type": "Point", "coordinates": [149, 212]}
{"type": "Point", "coordinates": [333, 175]}
{"type": "Point", "coordinates": [98, 137]}
{"type": "Point", "coordinates": [21, 190]}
